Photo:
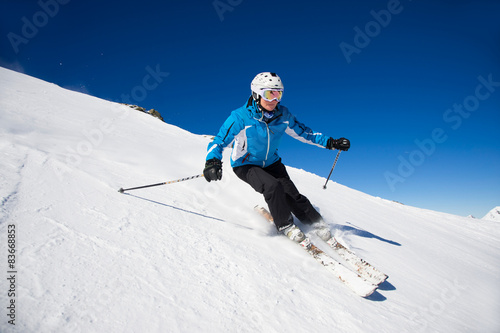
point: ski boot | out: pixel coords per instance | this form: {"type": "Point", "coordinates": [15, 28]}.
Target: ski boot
{"type": "Point", "coordinates": [322, 230]}
{"type": "Point", "coordinates": [294, 233]}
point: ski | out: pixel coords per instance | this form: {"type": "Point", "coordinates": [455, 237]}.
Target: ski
{"type": "Point", "coordinates": [367, 271]}
{"type": "Point", "coordinates": [352, 280]}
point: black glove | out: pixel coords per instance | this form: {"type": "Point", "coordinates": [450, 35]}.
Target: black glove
{"type": "Point", "coordinates": [213, 170]}
{"type": "Point", "coordinates": [340, 144]}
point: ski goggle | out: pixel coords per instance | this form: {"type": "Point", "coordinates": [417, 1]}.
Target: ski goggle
{"type": "Point", "coordinates": [271, 95]}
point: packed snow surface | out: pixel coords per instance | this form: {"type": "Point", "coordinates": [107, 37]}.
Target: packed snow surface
{"type": "Point", "coordinates": [194, 256]}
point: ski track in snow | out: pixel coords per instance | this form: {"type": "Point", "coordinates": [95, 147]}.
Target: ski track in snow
{"type": "Point", "coordinates": [193, 256]}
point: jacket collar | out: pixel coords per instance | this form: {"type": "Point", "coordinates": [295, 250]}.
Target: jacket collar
{"type": "Point", "coordinates": [255, 111]}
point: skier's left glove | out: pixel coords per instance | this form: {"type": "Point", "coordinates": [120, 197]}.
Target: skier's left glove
{"type": "Point", "coordinates": [213, 170]}
{"type": "Point", "coordinates": [340, 144]}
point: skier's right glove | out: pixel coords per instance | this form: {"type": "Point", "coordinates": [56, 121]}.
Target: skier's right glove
{"type": "Point", "coordinates": [213, 170]}
{"type": "Point", "coordinates": [340, 144]}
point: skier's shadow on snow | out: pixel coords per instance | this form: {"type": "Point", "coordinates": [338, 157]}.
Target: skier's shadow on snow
{"type": "Point", "coordinates": [353, 230]}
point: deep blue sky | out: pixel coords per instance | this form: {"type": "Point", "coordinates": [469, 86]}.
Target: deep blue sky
{"type": "Point", "coordinates": [404, 81]}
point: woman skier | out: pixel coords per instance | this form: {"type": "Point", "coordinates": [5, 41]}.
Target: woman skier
{"type": "Point", "coordinates": [256, 129]}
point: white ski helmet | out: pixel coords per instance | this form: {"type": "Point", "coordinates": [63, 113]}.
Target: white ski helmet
{"type": "Point", "coordinates": [265, 80]}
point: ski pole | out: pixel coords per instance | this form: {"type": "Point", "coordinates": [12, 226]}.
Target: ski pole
{"type": "Point", "coordinates": [333, 167]}
{"type": "Point", "coordinates": [121, 190]}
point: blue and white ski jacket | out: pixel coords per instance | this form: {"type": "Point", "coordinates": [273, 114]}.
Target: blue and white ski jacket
{"type": "Point", "coordinates": [255, 140]}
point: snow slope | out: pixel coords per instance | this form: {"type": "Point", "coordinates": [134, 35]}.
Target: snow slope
{"type": "Point", "coordinates": [193, 256]}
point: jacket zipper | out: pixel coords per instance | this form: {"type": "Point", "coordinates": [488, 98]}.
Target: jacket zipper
{"type": "Point", "coordinates": [268, 144]}
{"type": "Point", "coordinates": [268, 139]}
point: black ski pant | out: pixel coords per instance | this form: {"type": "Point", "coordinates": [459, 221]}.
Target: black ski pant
{"type": "Point", "coordinates": [280, 193]}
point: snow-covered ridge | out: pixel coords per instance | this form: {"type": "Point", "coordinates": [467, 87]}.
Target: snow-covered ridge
{"type": "Point", "coordinates": [493, 215]}
{"type": "Point", "coordinates": [193, 256]}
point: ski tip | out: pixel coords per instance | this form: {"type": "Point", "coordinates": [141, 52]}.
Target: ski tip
{"type": "Point", "coordinates": [369, 293]}
{"type": "Point", "coordinates": [384, 278]}
{"type": "Point", "coordinates": [121, 190]}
